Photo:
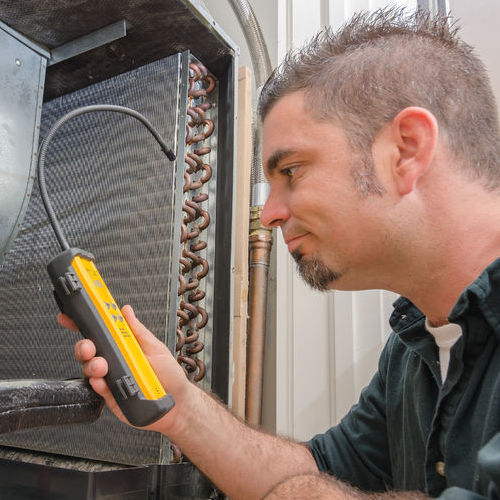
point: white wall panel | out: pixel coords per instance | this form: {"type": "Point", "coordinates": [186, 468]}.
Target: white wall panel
{"type": "Point", "coordinates": [479, 28]}
{"type": "Point", "coordinates": [342, 375]}
{"type": "Point", "coordinates": [359, 331]}
{"type": "Point", "coordinates": [306, 20]}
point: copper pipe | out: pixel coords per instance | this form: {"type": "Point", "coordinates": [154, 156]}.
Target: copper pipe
{"type": "Point", "coordinates": [182, 285]}
{"type": "Point", "coordinates": [196, 70]}
{"type": "Point", "coordinates": [208, 173]}
{"type": "Point", "coordinates": [189, 134]}
{"type": "Point", "coordinates": [197, 115]}
{"type": "Point", "coordinates": [200, 197]}
{"type": "Point", "coordinates": [204, 318]}
{"type": "Point", "coordinates": [187, 182]}
{"type": "Point", "coordinates": [189, 363]}
{"type": "Point", "coordinates": [204, 106]}
{"type": "Point", "coordinates": [204, 271]}
{"type": "Point", "coordinates": [198, 137]}
{"type": "Point", "coordinates": [192, 285]}
{"type": "Point", "coordinates": [198, 93]}
{"type": "Point", "coordinates": [191, 213]}
{"type": "Point", "coordinates": [206, 220]}
{"type": "Point", "coordinates": [192, 336]}
{"type": "Point", "coordinates": [194, 209]}
{"type": "Point", "coordinates": [192, 164]}
{"type": "Point", "coordinates": [191, 255]}
{"type": "Point", "coordinates": [184, 233]}
{"type": "Point", "coordinates": [211, 83]}
{"type": "Point", "coordinates": [193, 234]}
{"type": "Point", "coordinates": [261, 242]}
{"type": "Point", "coordinates": [210, 128]}
{"type": "Point", "coordinates": [195, 347]}
{"type": "Point", "coordinates": [201, 370]}
{"type": "Point", "coordinates": [260, 239]}
{"type": "Point", "coordinates": [183, 315]}
{"type": "Point", "coordinates": [186, 267]}
{"type": "Point", "coordinates": [198, 246]}
{"type": "Point", "coordinates": [196, 297]}
{"type": "Point", "coordinates": [190, 308]}
{"type": "Point", "coordinates": [181, 340]}
{"type": "Point", "coordinates": [196, 159]}
{"type": "Point", "coordinates": [203, 151]}
{"type": "Point", "coordinates": [202, 69]}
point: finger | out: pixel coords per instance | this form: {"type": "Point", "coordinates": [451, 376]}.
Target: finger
{"type": "Point", "coordinates": [84, 350]}
{"type": "Point", "coordinates": [66, 322]}
{"type": "Point", "coordinates": [148, 342]}
{"type": "Point", "coordinates": [101, 387]}
{"type": "Point", "coordinates": [96, 367]}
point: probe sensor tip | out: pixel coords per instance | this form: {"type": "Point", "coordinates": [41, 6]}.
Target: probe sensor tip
{"type": "Point", "coordinates": [170, 154]}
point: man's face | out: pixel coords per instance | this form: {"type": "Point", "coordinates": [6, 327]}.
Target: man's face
{"type": "Point", "coordinates": [331, 230]}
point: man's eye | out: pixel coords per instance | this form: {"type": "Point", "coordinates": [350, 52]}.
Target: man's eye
{"type": "Point", "coordinates": [290, 171]}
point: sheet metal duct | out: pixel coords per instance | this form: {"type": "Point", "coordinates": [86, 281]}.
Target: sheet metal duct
{"type": "Point", "coordinates": [22, 70]}
{"type": "Point", "coordinates": [116, 197]}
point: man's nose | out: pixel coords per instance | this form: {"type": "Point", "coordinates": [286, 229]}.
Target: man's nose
{"type": "Point", "coordinates": [275, 211]}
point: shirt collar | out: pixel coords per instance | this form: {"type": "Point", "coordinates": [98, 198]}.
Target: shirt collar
{"type": "Point", "coordinates": [483, 295]}
{"type": "Point", "coordinates": [404, 315]}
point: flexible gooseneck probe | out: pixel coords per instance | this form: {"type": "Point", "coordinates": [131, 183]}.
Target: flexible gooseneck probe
{"type": "Point", "coordinates": [59, 123]}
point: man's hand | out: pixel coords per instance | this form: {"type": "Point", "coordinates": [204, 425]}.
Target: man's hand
{"type": "Point", "coordinates": [168, 371]}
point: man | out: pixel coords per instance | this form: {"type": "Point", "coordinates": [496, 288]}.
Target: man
{"type": "Point", "coordinates": [381, 145]}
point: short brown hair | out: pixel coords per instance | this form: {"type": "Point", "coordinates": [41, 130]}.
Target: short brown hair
{"type": "Point", "coordinates": [380, 63]}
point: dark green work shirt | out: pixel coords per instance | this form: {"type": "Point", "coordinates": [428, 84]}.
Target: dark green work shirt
{"type": "Point", "coordinates": [411, 432]}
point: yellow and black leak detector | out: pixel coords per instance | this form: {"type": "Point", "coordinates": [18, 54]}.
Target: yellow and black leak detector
{"type": "Point", "coordinates": [81, 293]}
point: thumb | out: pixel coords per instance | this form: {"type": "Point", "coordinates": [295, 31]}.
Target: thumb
{"type": "Point", "coordinates": [148, 342]}
{"type": "Point", "coordinates": [170, 373]}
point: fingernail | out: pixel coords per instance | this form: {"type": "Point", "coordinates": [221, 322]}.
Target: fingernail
{"type": "Point", "coordinates": [133, 312]}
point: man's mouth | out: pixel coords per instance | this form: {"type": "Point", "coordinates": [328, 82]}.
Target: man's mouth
{"type": "Point", "coordinates": [294, 242]}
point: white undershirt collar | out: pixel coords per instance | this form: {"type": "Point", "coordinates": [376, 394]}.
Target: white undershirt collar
{"type": "Point", "coordinates": [445, 337]}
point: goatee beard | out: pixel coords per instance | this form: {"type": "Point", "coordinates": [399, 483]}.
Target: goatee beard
{"type": "Point", "coordinates": [314, 272]}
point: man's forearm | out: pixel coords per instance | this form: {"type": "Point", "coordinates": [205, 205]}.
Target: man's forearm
{"type": "Point", "coordinates": [244, 463]}
{"type": "Point", "coordinates": [322, 486]}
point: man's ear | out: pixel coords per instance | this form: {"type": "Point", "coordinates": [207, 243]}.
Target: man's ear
{"type": "Point", "coordinates": [414, 131]}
